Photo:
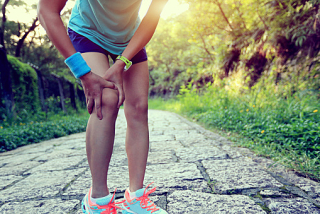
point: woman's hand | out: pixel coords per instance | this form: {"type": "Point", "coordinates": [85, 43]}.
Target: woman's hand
{"type": "Point", "coordinates": [93, 86]}
{"type": "Point", "coordinates": [114, 75]}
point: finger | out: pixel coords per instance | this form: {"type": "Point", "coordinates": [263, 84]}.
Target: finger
{"type": "Point", "coordinates": [90, 105]}
{"type": "Point", "coordinates": [85, 94]}
{"type": "Point", "coordinates": [121, 95]}
{"type": "Point", "coordinates": [98, 106]}
{"type": "Point", "coordinates": [108, 84]}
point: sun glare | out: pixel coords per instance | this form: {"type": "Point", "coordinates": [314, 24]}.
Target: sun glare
{"type": "Point", "coordinates": [172, 8]}
{"type": "Point", "coordinates": [19, 14]}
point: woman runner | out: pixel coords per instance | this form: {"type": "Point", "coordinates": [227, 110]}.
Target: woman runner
{"type": "Point", "coordinates": [98, 29]}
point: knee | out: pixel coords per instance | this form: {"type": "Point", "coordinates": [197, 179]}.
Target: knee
{"type": "Point", "coordinates": [137, 110]}
{"type": "Point", "coordinates": [109, 100]}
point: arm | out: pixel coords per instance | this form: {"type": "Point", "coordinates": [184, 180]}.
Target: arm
{"type": "Point", "coordinates": [49, 17]}
{"type": "Point", "coordinates": [145, 30]}
{"type": "Point", "coordinates": [140, 38]}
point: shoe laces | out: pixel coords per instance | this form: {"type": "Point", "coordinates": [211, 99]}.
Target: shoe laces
{"type": "Point", "coordinates": [112, 207]}
{"type": "Point", "coordinates": [146, 202]}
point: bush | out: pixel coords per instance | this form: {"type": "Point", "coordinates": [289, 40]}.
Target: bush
{"type": "Point", "coordinates": [34, 132]}
{"type": "Point", "coordinates": [24, 88]}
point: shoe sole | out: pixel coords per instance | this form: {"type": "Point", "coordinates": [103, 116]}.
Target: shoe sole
{"type": "Point", "coordinates": [83, 207]}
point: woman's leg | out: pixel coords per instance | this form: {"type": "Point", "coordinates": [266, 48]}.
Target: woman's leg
{"type": "Point", "coordinates": [100, 133]}
{"type": "Point", "coordinates": [136, 85]}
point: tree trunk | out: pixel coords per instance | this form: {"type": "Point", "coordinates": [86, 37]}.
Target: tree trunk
{"type": "Point", "coordinates": [3, 24]}
{"type": "Point", "coordinates": [82, 97]}
{"type": "Point", "coordinates": [41, 90]}
{"type": "Point", "coordinates": [73, 96]}
{"type": "Point", "coordinates": [61, 92]}
{"type": "Point", "coordinates": [6, 83]}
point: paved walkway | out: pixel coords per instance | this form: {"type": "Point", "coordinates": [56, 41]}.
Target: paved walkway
{"type": "Point", "coordinates": [196, 171]}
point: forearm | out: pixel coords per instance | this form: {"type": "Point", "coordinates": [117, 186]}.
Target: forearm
{"type": "Point", "coordinates": [52, 23]}
{"type": "Point", "coordinates": [141, 37]}
{"type": "Point", "coordinates": [145, 30]}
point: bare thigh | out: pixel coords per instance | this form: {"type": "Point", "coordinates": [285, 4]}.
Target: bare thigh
{"type": "Point", "coordinates": [99, 64]}
{"type": "Point", "coordinates": [136, 85]}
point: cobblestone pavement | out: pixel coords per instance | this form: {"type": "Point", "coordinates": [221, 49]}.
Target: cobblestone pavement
{"type": "Point", "coordinates": [195, 171]}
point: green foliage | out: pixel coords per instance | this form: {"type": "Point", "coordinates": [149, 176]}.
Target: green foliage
{"type": "Point", "coordinates": [214, 39]}
{"type": "Point", "coordinates": [24, 87]}
{"type": "Point", "coordinates": [268, 116]}
{"type": "Point", "coordinates": [27, 106]}
{"type": "Point", "coordinates": [34, 132]}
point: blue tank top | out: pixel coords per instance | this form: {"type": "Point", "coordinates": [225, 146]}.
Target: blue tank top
{"type": "Point", "coordinates": [108, 23]}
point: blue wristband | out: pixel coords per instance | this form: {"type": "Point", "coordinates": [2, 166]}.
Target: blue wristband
{"type": "Point", "coordinates": [77, 65]}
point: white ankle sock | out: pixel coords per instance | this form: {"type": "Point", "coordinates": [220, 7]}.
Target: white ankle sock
{"type": "Point", "coordinates": [131, 194]}
{"type": "Point", "coordinates": [94, 200]}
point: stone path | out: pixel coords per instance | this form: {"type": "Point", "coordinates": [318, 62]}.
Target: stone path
{"type": "Point", "coordinates": [195, 170]}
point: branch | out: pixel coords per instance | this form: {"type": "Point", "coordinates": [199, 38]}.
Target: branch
{"type": "Point", "coordinates": [240, 14]}
{"type": "Point", "coordinates": [205, 46]}
{"type": "Point", "coordinates": [26, 33]}
{"type": "Point", "coordinates": [223, 14]}
{"type": "Point", "coordinates": [265, 26]}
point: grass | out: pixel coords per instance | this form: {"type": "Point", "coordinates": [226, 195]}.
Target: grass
{"type": "Point", "coordinates": [272, 123]}
{"type": "Point", "coordinates": [23, 133]}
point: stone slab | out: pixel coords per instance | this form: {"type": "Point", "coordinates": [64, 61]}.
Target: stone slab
{"type": "Point", "coordinates": [273, 193]}
{"type": "Point", "coordinates": [41, 184]}
{"type": "Point", "coordinates": [234, 174]}
{"type": "Point", "coordinates": [190, 138]}
{"type": "Point", "coordinates": [58, 164]}
{"type": "Point", "coordinates": [153, 133]}
{"type": "Point", "coordinates": [161, 138]}
{"type": "Point", "coordinates": [194, 154]}
{"type": "Point", "coordinates": [290, 206]}
{"type": "Point", "coordinates": [161, 157]}
{"type": "Point", "coordinates": [119, 158]}
{"type": "Point", "coordinates": [181, 202]}
{"type": "Point", "coordinates": [176, 132]}
{"type": "Point", "coordinates": [181, 126]}
{"type": "Point", "coordinates": [56, 206]}
{"type": "Point", "coordinates": [165, 145]}
{"type": "Point", "coordinates": [233, 152]}
{"type": "Point", "coordinates": [18, 159]}
{"type": "Point", "coordinates": [303, 183]}
{"type": "Point", "coordinates": [163, 128]}
{"type": "Point", "coordinates": [119, 140]}
{"type": "Point", "coordinates": [57, 154]}
{"type": "Point", "coordinates": [7, 180]}
{"type": "Point", "coordinates": [18, 169]}
{"type": "Point", "coordinates": [32, 148]}
{"type": "Point", "coordinates": [175, 176]}
{"type": "Point", "coordinates": [81, 185]}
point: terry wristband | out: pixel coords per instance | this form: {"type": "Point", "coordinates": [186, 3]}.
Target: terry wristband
{"type": "Point", "coordinates": [125, 60]}
{"type": "Point", "coordinates": [77, 65]}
